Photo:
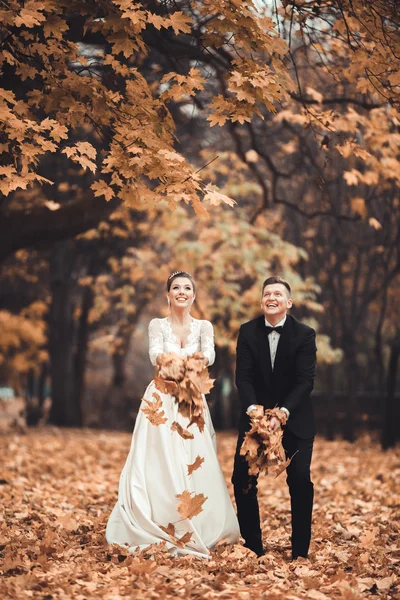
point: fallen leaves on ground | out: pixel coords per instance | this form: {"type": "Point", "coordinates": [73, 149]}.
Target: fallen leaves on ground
{"type": "Point", "coordinates": [57, 488]}
{"type": "Point", "coordinates": [262, 446]}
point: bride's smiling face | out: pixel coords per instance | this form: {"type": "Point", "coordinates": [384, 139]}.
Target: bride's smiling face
{"type": "Point", "coordinates": [181, 293]}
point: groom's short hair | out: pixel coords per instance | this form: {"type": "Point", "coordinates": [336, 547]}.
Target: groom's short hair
{"type": "Point", "coordinates": [275, 279]}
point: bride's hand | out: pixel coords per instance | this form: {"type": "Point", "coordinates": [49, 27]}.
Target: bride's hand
{"type": "Point", "coordinates": [200, 356]}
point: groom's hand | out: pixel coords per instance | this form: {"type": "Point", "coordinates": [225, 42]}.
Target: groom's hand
{"type": "Point", "coordinates": [255, 410]}
{"type": "Point", "coordinates": [275, 424]}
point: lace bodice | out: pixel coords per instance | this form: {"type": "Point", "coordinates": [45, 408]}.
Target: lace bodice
{"type": "Point", "coordinates": [200, 339]}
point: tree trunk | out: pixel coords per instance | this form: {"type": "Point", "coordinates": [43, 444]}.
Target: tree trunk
{"type": "Point", "coordinates": [390, 426]}
{"type": "Point", "coordinates": [82, 340]}
{"type": "Point", "coordinates": [331, 408]}
{"type": "Point", "coordinates": [65, 409]}
{"type": "Point", "coordinates": [352, 384]}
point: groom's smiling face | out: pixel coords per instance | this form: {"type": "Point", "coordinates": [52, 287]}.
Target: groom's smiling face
{"type": "Point", "coordinates": [275, 302]}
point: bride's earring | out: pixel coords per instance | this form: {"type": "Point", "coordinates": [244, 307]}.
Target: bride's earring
{"type": "Point", "coordinates": [169, 302]}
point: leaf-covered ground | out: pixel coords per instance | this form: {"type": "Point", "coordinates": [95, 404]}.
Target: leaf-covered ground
{"type": "Point", "coordinates": [58, 487]}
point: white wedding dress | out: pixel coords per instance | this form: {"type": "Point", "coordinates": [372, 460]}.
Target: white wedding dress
{"type": "Point", "coordinates": [156, 469]}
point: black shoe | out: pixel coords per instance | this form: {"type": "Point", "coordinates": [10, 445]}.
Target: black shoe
{"type": "Point", "coordinates": [259, 550]}
{"type": "Point", "coordinates": [296, 556]}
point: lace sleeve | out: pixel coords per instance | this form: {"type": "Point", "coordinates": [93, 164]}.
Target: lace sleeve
{"type": "Point", "coordinates": [207, 341]}
{"type": "Point", "coordinates": [156, 340]}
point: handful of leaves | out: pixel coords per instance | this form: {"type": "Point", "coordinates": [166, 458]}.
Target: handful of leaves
{"type": "Point", "coordinates": [262, 446]}
{"type": "Point", "coordinates": [186, 379]}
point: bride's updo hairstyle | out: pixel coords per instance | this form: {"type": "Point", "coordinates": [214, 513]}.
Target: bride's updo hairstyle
{"type": "Point", "coordinates": [176, 274]}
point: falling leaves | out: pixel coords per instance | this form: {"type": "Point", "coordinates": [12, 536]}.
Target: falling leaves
{"type": "Point", "coordinates": [190, 505]}
{"type": "Point", "coordinates": [262, 446]}
{"type": "Point", "coordinates": [196, 465]}
{"type": "Point", "coordinates": [153, 412]}
{"type": "Point", "coordinates": [187, 379]}
{"type": "Point", "coordinates": [184, 433]}
{"type": "Point", "coordinates": [180, 542]}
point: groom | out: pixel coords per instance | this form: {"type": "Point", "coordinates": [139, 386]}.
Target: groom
{"type": "Point", "coordinates": [275, 366]}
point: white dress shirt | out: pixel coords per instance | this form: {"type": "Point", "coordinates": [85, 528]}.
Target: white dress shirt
{"type": "Point", "coordinates": [273, 339]}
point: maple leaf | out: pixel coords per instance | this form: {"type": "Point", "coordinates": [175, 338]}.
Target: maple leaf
{"type": "Point", "coordinates": [190, 506]}
{"type": "Point", "coordinates": [29, 15]}
{"type": "Point", "coordinates": [151, 411]}
{"type": "Point", "coordinates": [195, 465]}
{"type": "Point", "coordinates": [262, 446]}
{"type": "Point", "coordinates": [184, 433]}
{"type": "Point", "coordinates": [180, 22]}
{"type": "Point", "coordinates": [86, 149]}
{"type": "Point", "coordinates": [157, 21]}
{"type": "Point", "coordinates": [199, 209]}
{"type": "Point", "coordinates": [166, 386]}
{"type": "Point", "coordinates": [202, 381]}
{"type": "Point", "coordinates": [85, 163]}
{"type": "Point", "coordinates": [199, 421]}
{"type": "Point", "coordinates": [101, 188]}
{"type": "Point", "coordinates": [180, 542]}
{"type": "Point", "coordinates": [217, 119]}
{"type": "Point", "coordinates": [139, 565]}
{"type": "Point", "coordinates": [214, 196]}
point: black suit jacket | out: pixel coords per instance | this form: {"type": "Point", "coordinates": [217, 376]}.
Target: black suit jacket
{"type": "Point", "coordinates": [290, 383]}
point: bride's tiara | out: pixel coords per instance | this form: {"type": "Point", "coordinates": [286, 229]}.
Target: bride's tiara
{"type": "Point", "coordinates": [178, 273]}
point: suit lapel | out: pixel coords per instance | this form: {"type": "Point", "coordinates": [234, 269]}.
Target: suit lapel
{"type": "Point", "coordinates": [283, 346]}
{"type": "Point", "coordinates": [264, 354]}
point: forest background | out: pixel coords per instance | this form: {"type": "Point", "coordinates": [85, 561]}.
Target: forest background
{"type": "Point", "coordinates": [231, 139]}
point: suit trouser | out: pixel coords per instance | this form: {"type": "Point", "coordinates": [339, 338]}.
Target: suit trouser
{"type": "Point", "coordinates": [301, 491]}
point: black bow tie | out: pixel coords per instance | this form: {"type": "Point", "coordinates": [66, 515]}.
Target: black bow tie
{"type": "Point", "coordinates": [270, 329]}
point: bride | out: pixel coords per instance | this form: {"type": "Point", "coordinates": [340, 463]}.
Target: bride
{"type": "Point", "coordinates": [155, 478]}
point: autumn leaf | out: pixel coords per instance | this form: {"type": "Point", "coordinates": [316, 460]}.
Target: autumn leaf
{"type": "Point", "coordinates": [203, 382]}
{"type": "Point", "coordinates": [195, 465]}
{"type": "Point", "coordinates": [199, 421]}
{"type": "Point", "coordinates": [179, 542]}
{"type": "Point", "coordinates": [101, 188]}
{"type": "Point", "coordinates": [189, 506]}
{"type": "Point", "coordinates": [165, 386]}
{"type": "Point", "coordinates": [180, 22]}
{"type": "Point", "coordinates": [184, 433]}
{"type": "Point", "coordinates": [214, 197]}
{"type": "Point", "coordinates": [139, 565]}
{"type": "Point", "coordinates": [151, 411]}
{"type": "Point", "coordinates": [262, 446]}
